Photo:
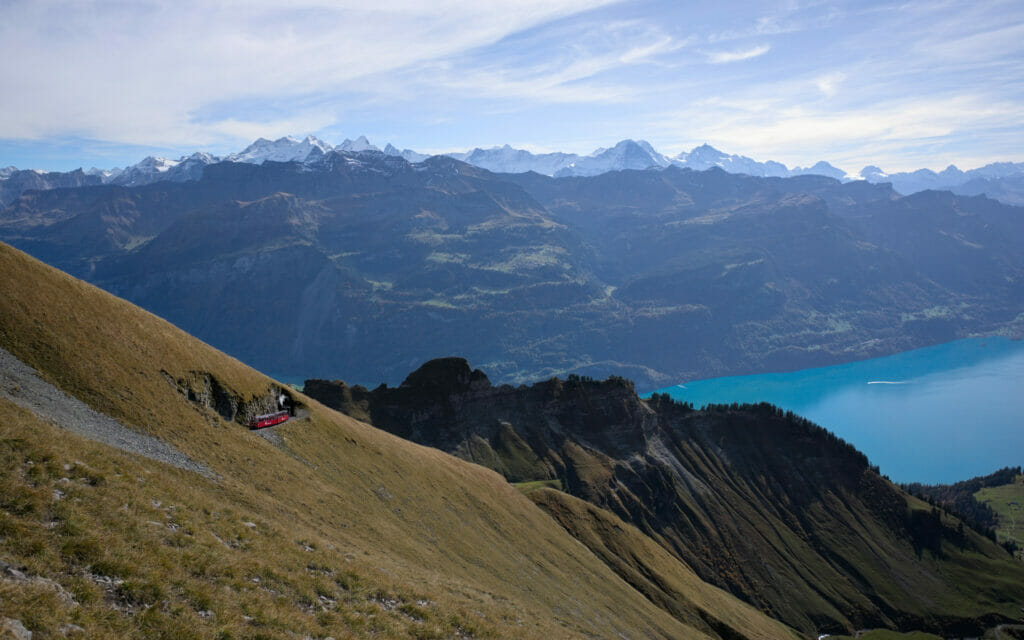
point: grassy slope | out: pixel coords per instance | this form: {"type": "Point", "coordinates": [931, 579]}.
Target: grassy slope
{"type": "Point", "coordinates": [832, 559]}
{"type": "Point", "coordinates": [405, 540]}
{"type": "Point", "coordinates": [771, 508]}
{"type": "Point", "coordinates": [981, 575]}
{"type": "Point", "coordinates": [1008, 503]}
{"type": "Point", "coordinates": [651, 569]}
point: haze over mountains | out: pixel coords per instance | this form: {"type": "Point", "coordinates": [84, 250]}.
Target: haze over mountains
{"type": "Point", "coordinates": [1001, 180]}
{"type": "Point", "coordinates": [365, 264]}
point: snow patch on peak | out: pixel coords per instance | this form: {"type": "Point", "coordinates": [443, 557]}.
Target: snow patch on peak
{"type": "Point", "coordinates": [286, 149]}
{"type": "Point", "coordinates": [201, 156]}
{"type": "Point", "coordinates": [151, 163]}
{"type": "Point", "coordinates": [408, 155]}
{"type": "Point", "coordinates": [705, 157]}
{"type": "Point", "coordinates": [871, 173]}
{"type": "Point", "coordinates": [507, 159]}
{"type": "Point", "coordinates": [153, 169]}
{"type": "Point", "coordinates": [646, 146]}
{"type": "Point", "coordinates": [705, 153]}
{"type": "Point", "coordinates": [106, 175]}
{"type": "Point", "coordinates": [626, 154]}
{"type": "Point", "coordinates": [356, 146]}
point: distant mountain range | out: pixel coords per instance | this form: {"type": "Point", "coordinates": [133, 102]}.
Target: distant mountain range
{"type": "Point", "coordinates": [363, 262]}
{"type": "Point", "coordinates": [1002, 181]}
{"type": "Point", "coordinates": [631, 154]}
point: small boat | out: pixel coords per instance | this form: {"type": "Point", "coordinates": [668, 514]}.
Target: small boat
{"type": "Point", "coordinates": [268, 420]}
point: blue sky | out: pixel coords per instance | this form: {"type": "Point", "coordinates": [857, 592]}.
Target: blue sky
{"type": "Point", "coordinates": [899, 84]}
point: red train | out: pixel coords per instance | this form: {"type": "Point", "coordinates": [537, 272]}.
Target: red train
{"type": "Point", "coordinates": [268, 420]}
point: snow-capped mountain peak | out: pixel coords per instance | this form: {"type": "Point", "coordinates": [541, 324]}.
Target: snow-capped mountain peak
{"type": "Point", "coordinates": [356, 146]}
{"type": "Point", "coordinates": [703, 157]}
{"type": "Point", "coordinates": [626, 154]}
{"type": "Point", "coordinates": [105, 174]}
{"type": "Point", "coordinates": [201, 156]}
{"type": "Point", "coordinates": [507, 159]}
{"type": "Point", "coordinates": [152, 169]}
{"type": "Point", "coordinates": [151, 163]}
{"type": "Point", "coordinates": [646, 146]}
{"type": "Point", "coordinates": [407, 154]}
{"type": "Point", "coordinates": [286, 149]}
{"type": "Point", "coordinates": [871, 173]}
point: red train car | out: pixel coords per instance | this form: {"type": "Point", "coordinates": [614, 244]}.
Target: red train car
{"type": "Point", "coordinates": [268, 420]}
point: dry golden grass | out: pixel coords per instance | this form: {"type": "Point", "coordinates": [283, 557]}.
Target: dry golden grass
{"type": "Point", "coordinates": [144, 551]}
{"type": "Point", "coordinates": [341, 531]}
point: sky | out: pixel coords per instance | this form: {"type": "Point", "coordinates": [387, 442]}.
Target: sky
{"type": "Point", "coordinates": [901, 85]}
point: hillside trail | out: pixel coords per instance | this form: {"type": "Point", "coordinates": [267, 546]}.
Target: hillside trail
{"type": "Point", "coordinates": [22, 385]}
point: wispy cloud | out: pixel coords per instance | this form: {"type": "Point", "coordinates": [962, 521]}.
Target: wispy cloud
{"type": "Point", "coordinates": [829, 84]}
{"type": "Point", "coordinates": [911, 128]}
{"type": "Point", "coordinates": [722, 57]}
{"type": "Point", "coordinates": [138, 72]}
{"type": "Point", "coordinates": [792, 17]}
{"type": "Point", "coordinates": [763, 26]}
{"type": "Point", "coordinates": [557, 66]}
{"type": "Point", "coordinates": [859, 82]}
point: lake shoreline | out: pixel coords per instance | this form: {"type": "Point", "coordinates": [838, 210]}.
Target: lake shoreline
{"type": "Point", "coordinates": [937, 414]}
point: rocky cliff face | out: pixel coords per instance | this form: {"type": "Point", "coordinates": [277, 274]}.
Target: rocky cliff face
{"type": "Point", "coordinates": [763, 503]}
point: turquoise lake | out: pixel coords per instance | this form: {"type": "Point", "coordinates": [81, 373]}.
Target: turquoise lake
{"type": "Point", "coordinates": [935, 415]}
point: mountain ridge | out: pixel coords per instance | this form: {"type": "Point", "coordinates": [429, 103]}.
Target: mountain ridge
{"type": "Point", "coordinates": [658, 275]}
{"type": "Point", "coordinates": [1000, 180]}
{"type": "Point", "coordinates": [749, 497]}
